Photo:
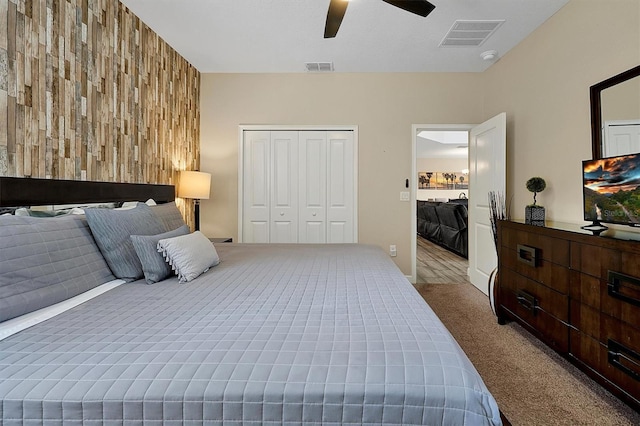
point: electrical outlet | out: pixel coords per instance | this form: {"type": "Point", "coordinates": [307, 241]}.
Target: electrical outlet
{"type": "Point", "coordinates": [392, 250]}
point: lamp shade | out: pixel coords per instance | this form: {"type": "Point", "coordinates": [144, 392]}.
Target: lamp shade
{"type": "Point", "coordinates": [196, 185]}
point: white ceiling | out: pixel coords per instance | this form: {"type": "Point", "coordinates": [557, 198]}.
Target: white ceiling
{"type": "Point", "coordinates": [265, 36]}
{"type": "Point", "coordinates": [442, 144]}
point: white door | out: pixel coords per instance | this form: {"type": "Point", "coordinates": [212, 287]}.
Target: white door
{"type": "Point", "coordinates": [621, 138]}
{"type": "Point", "coordinates": [487, 172]}
{"type": "Point", "coordinates": [341, 187]}
{"type": "Point", "coordinates": [256, 163]}
{"type": "Point", "coordinates": [313, 187]}
{"type": "Point", "coordinates": [284, 187]}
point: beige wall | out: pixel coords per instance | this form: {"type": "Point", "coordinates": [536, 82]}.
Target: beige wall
{"type": "Point", "coordinates": [622, 101]}
{"type": "Point", "coordinates": [383, 106]}
{"type": "Point", "coordinates": [542, 84]}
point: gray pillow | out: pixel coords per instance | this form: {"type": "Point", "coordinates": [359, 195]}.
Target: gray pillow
{"type": "Point", "coordinates": [112, 230]}
{"type": "Point", "coordinates": [168, 215]}
{"type": "Point", "coordinates": [154, 266]}
{"type": "Point", "coordinates": [189, 255]}
{"type": "Point", "coordinates": [41, 213]}
{"type": "Point", "coordinates": [44, 261]}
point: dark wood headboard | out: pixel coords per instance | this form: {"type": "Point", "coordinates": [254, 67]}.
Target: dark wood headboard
{"type": "Point", "coordinates": [16, 192]}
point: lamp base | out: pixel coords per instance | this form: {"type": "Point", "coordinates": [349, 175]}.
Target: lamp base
{"type": "Point", "coordinates": [197, 214]}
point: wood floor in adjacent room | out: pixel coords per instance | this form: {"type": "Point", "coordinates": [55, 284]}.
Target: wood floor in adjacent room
{"type": "Point", "coordinates": [531, 383]}
{"type": "Point", "coordinates": [437, 265]}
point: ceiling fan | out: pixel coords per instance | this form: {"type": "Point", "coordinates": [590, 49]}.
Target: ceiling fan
{"type": "Point", "coordinates": [337, 9]}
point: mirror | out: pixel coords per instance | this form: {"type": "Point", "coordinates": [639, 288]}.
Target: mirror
{"type": "Point", "coordinates": [614, 101]}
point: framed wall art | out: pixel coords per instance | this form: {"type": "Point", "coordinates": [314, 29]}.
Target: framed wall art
{"type": "Point", "coordinates": [443, 180]}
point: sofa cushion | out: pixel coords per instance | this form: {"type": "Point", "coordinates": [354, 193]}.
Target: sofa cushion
{"type": "Point", "coordinates": [444, 224]}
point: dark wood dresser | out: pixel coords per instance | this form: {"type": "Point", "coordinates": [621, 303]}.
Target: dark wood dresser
{"type": "Point", "coordinates": [578, 293]}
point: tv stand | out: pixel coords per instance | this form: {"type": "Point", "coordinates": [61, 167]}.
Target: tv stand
{"type": "Point", "coordinates": [579, 294]}
{"type": "Point", "coordinates": [596, 227]}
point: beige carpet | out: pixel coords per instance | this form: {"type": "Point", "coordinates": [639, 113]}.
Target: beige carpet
{"type": "Point", "coordinates": [532, 384]}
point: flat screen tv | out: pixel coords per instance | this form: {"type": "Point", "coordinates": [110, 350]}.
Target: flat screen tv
{"type": "Point", "coordinates": [611, 190]}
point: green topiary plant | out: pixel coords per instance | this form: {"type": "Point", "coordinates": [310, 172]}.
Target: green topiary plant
{"type": "Point", "coordinates": [535, 185]}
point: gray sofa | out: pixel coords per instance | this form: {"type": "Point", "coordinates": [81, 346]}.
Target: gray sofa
{"type": "Point", "coordinates": [445, 224]}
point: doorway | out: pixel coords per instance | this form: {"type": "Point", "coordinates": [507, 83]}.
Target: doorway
{"type": "Point", "coordinates": [487, 172]}
{"type": "Point", "coordinates": [440, 170]}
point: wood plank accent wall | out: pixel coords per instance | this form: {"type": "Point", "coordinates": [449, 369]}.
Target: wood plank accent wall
{"type": "Point", "coordinates": [89, 92]}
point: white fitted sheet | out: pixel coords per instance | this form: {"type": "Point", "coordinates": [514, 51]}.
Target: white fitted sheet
{"type": "Point", "coordinates": [14, 325]}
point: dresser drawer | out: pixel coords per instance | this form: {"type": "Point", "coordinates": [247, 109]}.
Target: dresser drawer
{"type": "Point", "coordinates": [618, 296]}
{"type": "Point", "coordinates": [527, 261]}
{"type": "Point", "coordinates": [598, 261]}
{"type": "Point", "coordinates": [543, 309]}
{"type": "Point", "coordinates": [547, 248]}
{"type": "Point", "coordinates": [612, 360]}
{"type": "Point", "coordinates": [546, 300]}
{"type": "Point", "coordinates": [603, 327]}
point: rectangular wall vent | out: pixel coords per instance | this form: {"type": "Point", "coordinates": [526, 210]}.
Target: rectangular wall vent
{"type": "Point", "coordinates": [470, 33]}
{"type": "Point", "coordinates": [319, 66]}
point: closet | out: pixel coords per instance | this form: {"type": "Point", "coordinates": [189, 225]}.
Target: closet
{"type": "Point", "coordinates": [298, 186]}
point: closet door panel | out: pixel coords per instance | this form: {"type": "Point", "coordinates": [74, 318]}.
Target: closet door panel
{"type": "Point", "coordinates": [282, 231]}
{"type": "Point", "coordinates": [339, 232]}
{"type": "Point", "coordinates": [255, 227]}
{"type": "Point", "coordinates": [298, 186]}
{"type": "Point", "coordinates": [258, 232]}
{"type": "Point", "coordinates": [313, 187]}
{"type": "Point", "coordinates": [340, 208]}
{"type": "Point", "coordinates": [284, 187]}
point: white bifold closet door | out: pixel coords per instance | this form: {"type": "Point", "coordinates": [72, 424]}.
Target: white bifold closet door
{"type": "Point", "coordinates": [313, 187]}
{"type": "Point", "coordinates": [298, 187]}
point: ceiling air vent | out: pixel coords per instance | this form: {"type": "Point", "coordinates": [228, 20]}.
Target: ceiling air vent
{"type": "Point", "coordinates": [319, 66]}
{"type": "Point", "coordinates": [469, 33]}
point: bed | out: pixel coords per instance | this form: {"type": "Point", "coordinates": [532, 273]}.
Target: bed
{"type": "Point", "coordinates": [273, 334]}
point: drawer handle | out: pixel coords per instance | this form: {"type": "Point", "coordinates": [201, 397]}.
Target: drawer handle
{"type": "Point", "coordinates": [528, 301]}
{"type": "Point", "coordinates": [617, 352]}
{"type": "Point", "coordinates": [613, 286]}
{"type": "Point", "coordinates": [527, 255]}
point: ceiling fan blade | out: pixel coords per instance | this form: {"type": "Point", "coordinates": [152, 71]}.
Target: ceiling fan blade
{"type": "Point", "coordinates": [337, 9]}
{"type": "Point", "coordinates": [419, 7]}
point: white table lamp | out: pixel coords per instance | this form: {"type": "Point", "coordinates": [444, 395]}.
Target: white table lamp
{"type": "Point", "coordinates": [196, 186]}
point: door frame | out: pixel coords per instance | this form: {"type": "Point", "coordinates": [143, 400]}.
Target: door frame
{"type": "Point", "coordinates": [414, 182]}
{"type": "Point", "coordinates": [287, 127]}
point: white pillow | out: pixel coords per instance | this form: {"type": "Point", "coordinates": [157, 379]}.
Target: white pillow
{"type": "Point", "coordinates": [128, 205]}
{"type": "Point", "coordinates": [189, 255]}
